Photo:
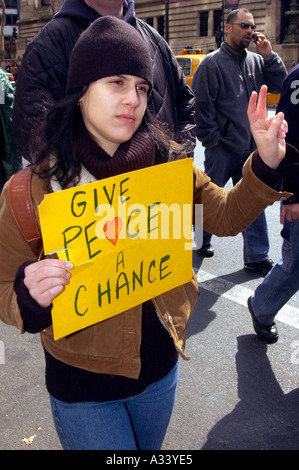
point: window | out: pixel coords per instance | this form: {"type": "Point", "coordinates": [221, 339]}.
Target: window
{"type": "Point", "coordinates": [203, 28]}
{"type": "Point", "coordinates": [186, 65]}
{"type": "Point", "coordinates": [11, 20]}
{"type": "Point", "coordinates": [150, 21]}
{"type": "Point", "coordinates": [161, 25]}
{"type": "Point", "coordinates": [11, 4]}
{"type": "Point", "coordinates": [217, 19]}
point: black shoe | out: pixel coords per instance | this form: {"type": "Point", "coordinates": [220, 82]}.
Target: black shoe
{"type": "Point", "coordinates": [267, 332]}
{"type": "Point", "coordinates": [262, 267]}
{"type": "Point", "coordinates": [206, 251]}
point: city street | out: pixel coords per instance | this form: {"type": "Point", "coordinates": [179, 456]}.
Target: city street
{"type": "Point", "coordinates": [235, 393]}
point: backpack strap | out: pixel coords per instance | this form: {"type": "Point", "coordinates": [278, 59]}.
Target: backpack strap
{"type": "Point", "coordinates": [21, 204]}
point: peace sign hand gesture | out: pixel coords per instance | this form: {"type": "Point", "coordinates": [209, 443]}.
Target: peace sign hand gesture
{"type": "Point", "coordinates": [269, 134]}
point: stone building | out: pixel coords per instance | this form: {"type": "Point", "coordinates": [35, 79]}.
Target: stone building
{"type": "Point", "coordinates": [34, 14]}
{"type": "Point", "coordinates": [188, 22]}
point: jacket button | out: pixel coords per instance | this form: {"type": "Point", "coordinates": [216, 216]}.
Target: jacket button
{"type": "Point", "coordinates": [169, 318]}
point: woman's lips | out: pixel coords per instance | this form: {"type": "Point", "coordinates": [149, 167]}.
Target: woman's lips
{"type": "Point", "coordinates": [127, 118]}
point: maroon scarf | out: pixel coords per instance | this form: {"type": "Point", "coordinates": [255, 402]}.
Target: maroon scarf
{"type": "Point", "coordinates": [137, 153]}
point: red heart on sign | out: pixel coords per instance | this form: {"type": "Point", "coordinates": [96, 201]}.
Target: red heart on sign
{"type": "Point", "coordinates": [112, 230]}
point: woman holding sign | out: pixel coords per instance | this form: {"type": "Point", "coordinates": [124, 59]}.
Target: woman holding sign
{"type": "Point", "coordinates": [112, 385]}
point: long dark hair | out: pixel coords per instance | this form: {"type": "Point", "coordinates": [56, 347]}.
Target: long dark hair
{"type": "Point", "coordinates": [55, 136]}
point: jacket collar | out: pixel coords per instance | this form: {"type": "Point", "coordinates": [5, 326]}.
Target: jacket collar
{"type": "Point", "coordinates": [225, 47]}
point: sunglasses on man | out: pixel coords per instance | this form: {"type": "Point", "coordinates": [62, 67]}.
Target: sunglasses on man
{"type": "Point", "coordinates": [245, 25]}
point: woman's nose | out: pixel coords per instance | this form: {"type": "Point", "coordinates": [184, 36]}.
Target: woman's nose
{"type": "Point", "coordinates": [132, 97]}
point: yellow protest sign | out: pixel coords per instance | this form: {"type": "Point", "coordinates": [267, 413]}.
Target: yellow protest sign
{"type": "Point", "coordinates": [128, 237]}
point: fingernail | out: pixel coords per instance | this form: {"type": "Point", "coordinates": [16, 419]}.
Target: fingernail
{"type": "Point", "coordinates": [69, 265]}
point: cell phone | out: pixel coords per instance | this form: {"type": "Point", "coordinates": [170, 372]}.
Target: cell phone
{"type": "Point", "coordinates": [254, 37]}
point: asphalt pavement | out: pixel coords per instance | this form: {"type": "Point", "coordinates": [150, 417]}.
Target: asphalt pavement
{"type": "Point", "coordinates": [235, 393]}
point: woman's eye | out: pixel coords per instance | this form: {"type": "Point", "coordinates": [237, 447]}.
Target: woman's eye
{"type": "Point", "coordinates": [117, 82]}
{"type": "Point", "coordinates": [142, 88]}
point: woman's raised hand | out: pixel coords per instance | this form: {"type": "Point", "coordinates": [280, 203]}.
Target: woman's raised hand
{"type": "Point", "coordinates": [269, 134]}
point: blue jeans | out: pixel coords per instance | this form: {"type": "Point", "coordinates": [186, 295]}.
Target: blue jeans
{"type": "Point", "coordinates": [221, 164]}
{"type": "Point", "coordinates": [282, 281]}
{"type": "Point", "coordinates": [135, 423]}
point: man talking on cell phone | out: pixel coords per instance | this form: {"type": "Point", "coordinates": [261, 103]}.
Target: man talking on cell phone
{"type": "Point", "coordinates": [223, 83]}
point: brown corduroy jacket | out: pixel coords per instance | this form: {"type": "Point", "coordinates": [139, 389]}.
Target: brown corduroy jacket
{"type": "Point", "coordinates": [112, 346]}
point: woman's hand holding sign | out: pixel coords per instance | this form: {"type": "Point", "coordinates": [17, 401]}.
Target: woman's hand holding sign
{"type": "Point", "coordinates": [46, 279]}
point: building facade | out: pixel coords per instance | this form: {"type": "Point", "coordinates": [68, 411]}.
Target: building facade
{"type": "Point", "coordinates": [187, 22]}
{"type": "Point", "coordinates": [34, 14]}
{"type": "Point", "coordinates": [11, 29]}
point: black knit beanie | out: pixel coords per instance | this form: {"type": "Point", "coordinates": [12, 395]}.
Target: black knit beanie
{"type": "Point", "coordinates": [109, 46]}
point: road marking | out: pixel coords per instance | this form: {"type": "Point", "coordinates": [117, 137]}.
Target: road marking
{"type": "Point", "coordinates": [239, 294]}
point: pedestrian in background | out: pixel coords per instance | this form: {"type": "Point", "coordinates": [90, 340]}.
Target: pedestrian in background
{"type": "Point", "coordinates": [42, 76]}
{"type": "Point", "coordinates": [113, 385]}
{"type": "Point", "coordinates": [282, 282]}
{"type": "Point", "coordinates": [218, 36]}
{"type": "Point", "coordinates": [14, 69]}
{"type": "Point", "coordinates": [222, 84]}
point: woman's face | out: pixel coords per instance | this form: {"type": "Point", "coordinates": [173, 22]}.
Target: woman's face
{"type": "Point", "coordinates": [113, 108]}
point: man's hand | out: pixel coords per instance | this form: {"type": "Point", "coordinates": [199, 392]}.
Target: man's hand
{"type": "Point", "coordinates": [289, 212]}
{"type": "Point", "coordinates": [263, 46]}
{"type": "Point", "coordinates": [46, 279]}
{"type": "Point", "coordinates": [269, 134]}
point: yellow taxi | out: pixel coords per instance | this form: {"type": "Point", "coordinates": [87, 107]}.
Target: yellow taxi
{"type": "Point", "coordinates": [272, 99]}
{"type": "Point", "coordinates": [189, 60]}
